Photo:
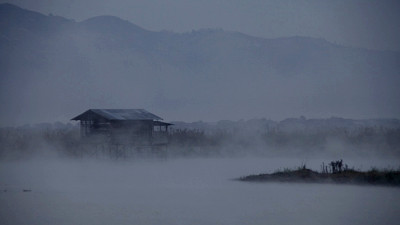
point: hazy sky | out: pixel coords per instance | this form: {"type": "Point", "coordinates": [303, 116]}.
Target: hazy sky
{"type": "Point", "coordinates": [344, 91]}
{"type": "Point", "coordinates": [358, 23]}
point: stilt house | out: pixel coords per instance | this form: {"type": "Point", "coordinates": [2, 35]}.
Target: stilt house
{"type": "Point", "coordinates": [123, 126]}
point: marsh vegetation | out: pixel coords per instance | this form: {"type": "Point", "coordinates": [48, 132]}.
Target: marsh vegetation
{"type": "Point", "coordinates": [252, 137]}
{"type": "Point", "coordinates": [334, 172]}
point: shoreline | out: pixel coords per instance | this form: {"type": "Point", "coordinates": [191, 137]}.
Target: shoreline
{"type": "Point", "coordinates": [348, 176]}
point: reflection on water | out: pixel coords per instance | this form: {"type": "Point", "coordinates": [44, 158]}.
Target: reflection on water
{"type": "Point", "coordinates": [184, 191]}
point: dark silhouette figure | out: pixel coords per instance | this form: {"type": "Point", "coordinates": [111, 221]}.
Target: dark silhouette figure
{"type": "Point", "coordinates": [336, 166]}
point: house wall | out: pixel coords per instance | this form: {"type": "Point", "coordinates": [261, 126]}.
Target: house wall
{"type": "Point", "coordinates": [137, 132]}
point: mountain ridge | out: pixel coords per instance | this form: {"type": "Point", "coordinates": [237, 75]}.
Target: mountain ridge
{"type": "Point", "coordinates": [114, 20]}
{"type": "Point", "coordinates": [109, 62]}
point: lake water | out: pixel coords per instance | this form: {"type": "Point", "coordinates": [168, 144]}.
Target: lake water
{"type": "Point", "coordinates": [185, 191]}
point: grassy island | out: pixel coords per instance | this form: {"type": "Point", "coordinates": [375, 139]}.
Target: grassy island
{"type": "Point", "coordinates": [331, 173]}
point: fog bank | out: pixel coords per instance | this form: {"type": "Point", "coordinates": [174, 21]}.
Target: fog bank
{"type": "Point", "coordinates": [197, 191]}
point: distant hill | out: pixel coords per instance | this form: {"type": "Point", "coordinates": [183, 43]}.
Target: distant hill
{"type": "Point", "coordinates": [52, 67]}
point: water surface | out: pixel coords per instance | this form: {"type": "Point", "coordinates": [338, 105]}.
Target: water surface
{"type": "Point", "coordinates": [184, 191]}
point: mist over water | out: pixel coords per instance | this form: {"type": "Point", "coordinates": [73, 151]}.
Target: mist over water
{"type": "Point", "coordinates": [49, 175]}
{"type": "Point", "coordinates": [184, 191]}
{"type": "Point", "coordinates": [52, 68]}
